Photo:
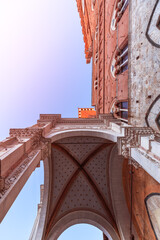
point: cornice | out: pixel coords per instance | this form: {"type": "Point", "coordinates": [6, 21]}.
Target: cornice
{"type": "Point", "coordinates": [87, 47]}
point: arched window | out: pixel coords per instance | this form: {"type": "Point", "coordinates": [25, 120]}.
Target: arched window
{"type": "Point", "coordinates": [123, 110]}
{"type": "Point", "coordinates": [96, 84]}
{"type": "Point", "coordinates": [119, 9]}
{"type": "Point", "coordinates": [120, 61]}
{"type": "Point", "coordinates": [96, 57]}
{"type": "Point", "coordinates": [120, 110]}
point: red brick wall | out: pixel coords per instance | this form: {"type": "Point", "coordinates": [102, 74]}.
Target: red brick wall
{"type": "Point", "coordinates": [143, 185]}
{"type": "Point", "coordinates": [106, 43]}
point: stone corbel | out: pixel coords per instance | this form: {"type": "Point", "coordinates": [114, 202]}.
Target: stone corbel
{"type": "Point", "coordinates": [132, 139]}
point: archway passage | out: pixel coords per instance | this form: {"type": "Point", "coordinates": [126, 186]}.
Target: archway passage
{"type": "Point", "coordinates": [80, 187]}
{"type": "Point", "coordinates": [81, 231]}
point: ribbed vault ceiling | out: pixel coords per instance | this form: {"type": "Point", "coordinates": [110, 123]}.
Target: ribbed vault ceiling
{"type": "Point", "coordinates": [80, 178]}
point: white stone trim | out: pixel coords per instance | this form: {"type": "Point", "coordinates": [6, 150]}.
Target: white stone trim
{"type": "Point", "coordinates": [149, 164]}
{"type": "Point", "coordinates": [82, 217]}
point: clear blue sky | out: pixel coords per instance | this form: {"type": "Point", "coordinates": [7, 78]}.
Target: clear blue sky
{"type": "Point", "coordinates": [42, 70]}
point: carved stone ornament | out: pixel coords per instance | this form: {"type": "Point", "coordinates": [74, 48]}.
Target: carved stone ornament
{"type": "Point", "coordinates": [45, 150]}
{"type": "Point", "coordinates": [132, 139]}
{"type": "Point", "coordinates": [9, 181]}
{"type": "Point", "coordinates": [34, 133]}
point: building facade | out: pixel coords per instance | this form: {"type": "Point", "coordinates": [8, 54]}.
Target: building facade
{"type": "Point", "coordinates": [101, 168]}
{"type": "Point", "coordinates": [105, 26]}
{"type": "Point", "coordinates": [122, 39]}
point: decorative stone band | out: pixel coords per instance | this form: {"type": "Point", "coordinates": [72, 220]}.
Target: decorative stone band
{"type": "Point", "coordinates": [34, 133]}
{"type": "Point", "coordinates": [46, 148]}
{"type": "Point", "coordinates": [24, 132]}
{"type": "Point", "coordinates": [150, 164]}
{"type": "Point", "coordinates": [14, 175]}
{"type": "Point", "coordinates": [56, 118]}
{"type": "Point", "coordinates": [81, 121]}
{"type": "Point", "coordinates": [49, 117]}
{"type": "Point", "coordinates": [131, 139]}
{"type": "Point", "coordinates": [16, 180]}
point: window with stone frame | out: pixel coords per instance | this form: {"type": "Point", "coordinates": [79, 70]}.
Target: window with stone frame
{"type": "Point", "coordinates": [121, 57]}
{"type": "Point", "coordinates": [123, 110]}
{"type": "Point", "coordinates": [119, 8]}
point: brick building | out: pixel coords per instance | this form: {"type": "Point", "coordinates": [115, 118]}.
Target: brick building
{"type": "Point", "coordinates": [105, 30]}
{"type": "Point", "coordinates": [122, 39]}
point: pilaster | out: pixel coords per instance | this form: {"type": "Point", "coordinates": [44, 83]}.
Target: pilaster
{"type": "Point", "coordinates": [20, 154]}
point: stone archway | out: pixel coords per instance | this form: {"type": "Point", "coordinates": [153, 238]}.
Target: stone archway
{"type": "Point", "coordinates": [83, 217]}
{"type": "Point", "coordinates": [80, 183]}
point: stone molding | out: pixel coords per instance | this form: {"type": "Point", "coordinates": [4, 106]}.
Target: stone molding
{"type": "Point", "coordinates": [36, 143]}
{"type": "Point", "coordinates": [33, 133]}
{"type": "Point", "coordinates": [80, 121]}
{"type": "Point", "coordinates": [9, 181]}
{"type": "Point", "coordinates": [131, 139]}
{"type": "Point", "coordinates": [49, 117]}
{"type": "Point", "coordinates": [46, 149]}
{"type": "Point", "coordinates": [149, 157]}
{"type": "Point", "coordinates": [135, 164]}
{"type": "Point", "coordinates": [88, 48]}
